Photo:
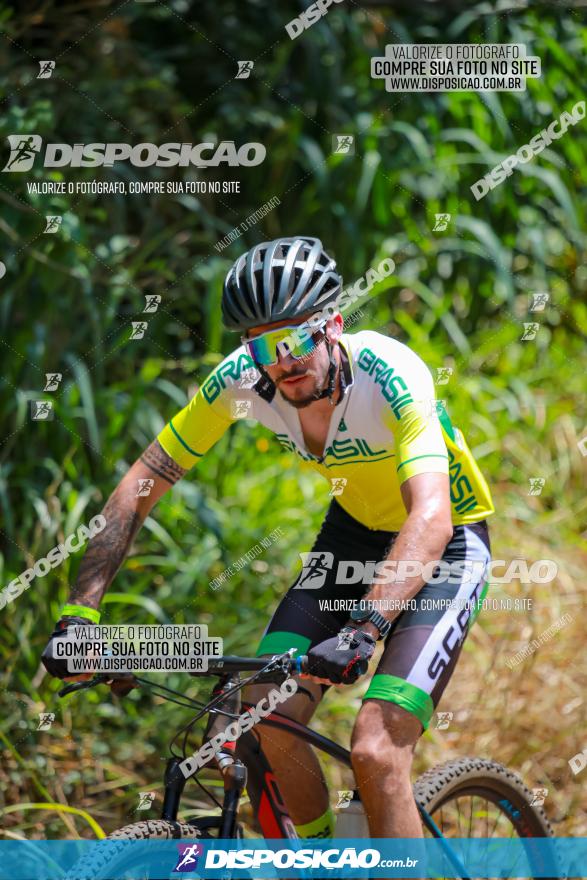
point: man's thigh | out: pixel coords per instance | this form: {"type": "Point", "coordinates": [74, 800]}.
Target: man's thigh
{"type": "Point", "coordinates": [299, 622]}
{"type": "Point", "coordinates": [423, 647]}
{"type": "Point", "coordinates": [300, 706]}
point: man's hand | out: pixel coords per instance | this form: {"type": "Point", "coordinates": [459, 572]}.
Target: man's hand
{"type": "Point", "coordinates": [343, 659]}
{"type": "Point", "coordinates": [57, 666]}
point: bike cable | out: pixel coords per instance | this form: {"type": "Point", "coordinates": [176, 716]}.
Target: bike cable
{"type": "Point", "coordinates": [211, 705]}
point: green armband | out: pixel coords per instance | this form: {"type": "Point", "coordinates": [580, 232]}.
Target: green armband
{"type": "Point", "coordinates": [81, 611]}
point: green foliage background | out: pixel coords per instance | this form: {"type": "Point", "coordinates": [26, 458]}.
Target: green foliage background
{"type": "Point", "coordinates": [165, 72]}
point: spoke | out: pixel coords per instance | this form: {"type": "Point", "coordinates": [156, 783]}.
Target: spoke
{"type": "Point", "coordinates": [487, 818]}
{"type": "Point", "coordinates": [498, 814]}
{"type": "Point", "coordinates": [514, 873]}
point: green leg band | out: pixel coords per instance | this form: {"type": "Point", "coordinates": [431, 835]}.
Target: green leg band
{"type": "Point", "coordinates": [280, 642]}
{"type": "Point", "coordinates": [396, 690]}
{"type": "Point", "coordinates": [81, 611]}
{"type": "Point", "coordinates": [323, 826]}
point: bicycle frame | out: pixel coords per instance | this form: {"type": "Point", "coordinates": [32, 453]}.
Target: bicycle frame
{"type": "Point", "coordinates": [251, 768]}
{"type": "Point", "coordinates": [255, 772]}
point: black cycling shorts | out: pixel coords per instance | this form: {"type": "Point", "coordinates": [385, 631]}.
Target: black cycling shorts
{"type": "Point", "coordinates": [425, 641]}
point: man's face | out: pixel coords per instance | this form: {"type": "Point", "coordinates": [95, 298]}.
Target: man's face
{"type": "Point", "coordinates": [301, 381]}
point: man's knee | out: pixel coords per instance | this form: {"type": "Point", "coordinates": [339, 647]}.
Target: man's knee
{"type": "Point", "coordinates": [383, 740]}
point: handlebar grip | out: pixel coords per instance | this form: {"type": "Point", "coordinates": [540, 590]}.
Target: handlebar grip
{"type": "Point", "coordinates": [70, 688]}
{"type": "Point", "coordinates": [82, 685]}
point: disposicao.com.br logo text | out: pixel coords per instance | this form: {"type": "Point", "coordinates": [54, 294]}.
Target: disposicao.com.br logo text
{"type": "Point", "coordinates": [332, 859]}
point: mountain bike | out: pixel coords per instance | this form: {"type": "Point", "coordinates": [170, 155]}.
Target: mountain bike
{"type": "Point", "coordinates": [463, 798]}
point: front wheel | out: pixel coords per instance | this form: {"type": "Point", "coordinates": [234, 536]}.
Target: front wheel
{"type": "Point", "coordinates": [121, 859]}
{"type": "Point", "coordinates": [479, 798]}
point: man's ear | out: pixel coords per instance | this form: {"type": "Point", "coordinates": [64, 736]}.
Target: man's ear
{"type": "Point", "coordinates": [334, 327]}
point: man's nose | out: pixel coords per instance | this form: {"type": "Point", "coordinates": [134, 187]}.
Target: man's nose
{"type": "Point", "coordinates": [285, 360]}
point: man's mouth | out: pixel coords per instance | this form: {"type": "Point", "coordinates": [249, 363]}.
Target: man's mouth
{"type": "Point", "coordinates": [292, 380]}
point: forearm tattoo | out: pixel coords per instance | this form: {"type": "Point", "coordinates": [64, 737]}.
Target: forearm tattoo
{"type": "Point", "coordinates": [107, 550]}
{"type": "Point", "coordinates": [161, 464]}
{"type": "Point", "coordinates": [106, 553]}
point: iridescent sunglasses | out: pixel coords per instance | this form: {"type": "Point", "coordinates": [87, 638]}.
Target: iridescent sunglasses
{"type": "Point", "coordinates": [297, 340]}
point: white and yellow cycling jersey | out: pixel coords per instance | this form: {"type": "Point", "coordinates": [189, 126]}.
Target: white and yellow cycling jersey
{"type": "Point", "coordinates": [386, 428]}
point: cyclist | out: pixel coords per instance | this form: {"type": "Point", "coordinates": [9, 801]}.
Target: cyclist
{"type": "Point", "coordinates": [359, 408]}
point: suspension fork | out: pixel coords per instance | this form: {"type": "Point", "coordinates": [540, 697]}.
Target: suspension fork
{"type": "Point", "coordinates": [174, 781]}
{"type": "Point", "coordinates": [234, 772]}
{"type": "Point", "coordinates": [234, 777]}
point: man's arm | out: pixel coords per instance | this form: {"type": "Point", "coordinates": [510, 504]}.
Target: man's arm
{"type": "Point", "coordinates": [124, 513]}
{"type": "Point", "coordinates": [422, 538]}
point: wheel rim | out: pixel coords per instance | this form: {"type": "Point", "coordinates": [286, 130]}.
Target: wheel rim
{"type": "Point", "coordinates": [474, 812]}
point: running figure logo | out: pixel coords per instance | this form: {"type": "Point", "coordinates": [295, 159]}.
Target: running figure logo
{"type": "Point", "coordinates": [42, 410]}
{"type": "Point", "coordinates": [244, 69]}
{"type": "Point", "coordinates": [539, 301]}
{"type": "Point", "coordinates": [338, 484]}
{"type": "Point", "coordinates": [344, 641]}
{"type": "Point", "coordinates": [53, 222]}
{"type": "Point", "coordinates": [539, 795]}
{"type": "Point", "coordinates": [443, 374]}
{"type": "Point", "coordinates": [138, 329]}
{"type": "Point", "coordinates": [240, 408]}
{"type": "Point", "coordinates": [344, 799]}
{"type": "Point", "coordinates": [343, 143]}
{"type": "Point", "coordinates": [536, 485]}
{"type": "Point", "coordinates": [23, 148]}
{"type": "Point", "coordinates": [146, 799]}
{"type": "Point", "coordinates": [188, 856]}
{"type": "Point", "coordinates": [441, 222]}
{"type": "Point", "coordinates": [530, 331]}
{"type": "Point", "coordinates": [52, 381]}
{"type": "Point", "coordinates": [443, 721]}
{"type": "Point", "coordinates": [46, 719]}
{"type": "Point", "coordinates": [152, 301]}
{"type": "Point", "coordinates": [314, 570]}
{"type": "Point", "coordinates": [47, 68]}
{"type": "Point", "coordinates": [145, 486]}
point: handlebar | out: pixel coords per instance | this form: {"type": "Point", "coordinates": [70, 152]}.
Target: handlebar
{"type": "Point", "coordinates": [276, 666]}
{"type": "Point", "coordinates": [233, 663]}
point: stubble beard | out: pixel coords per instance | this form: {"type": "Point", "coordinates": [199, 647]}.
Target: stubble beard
{"type": "Point", "coordinates": [303, 402]}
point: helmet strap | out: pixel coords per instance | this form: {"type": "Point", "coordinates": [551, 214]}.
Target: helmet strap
{"type": "Point", "coordinates": [329, 390]}
{"type": "Point", "coordinates": [265, 387]}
